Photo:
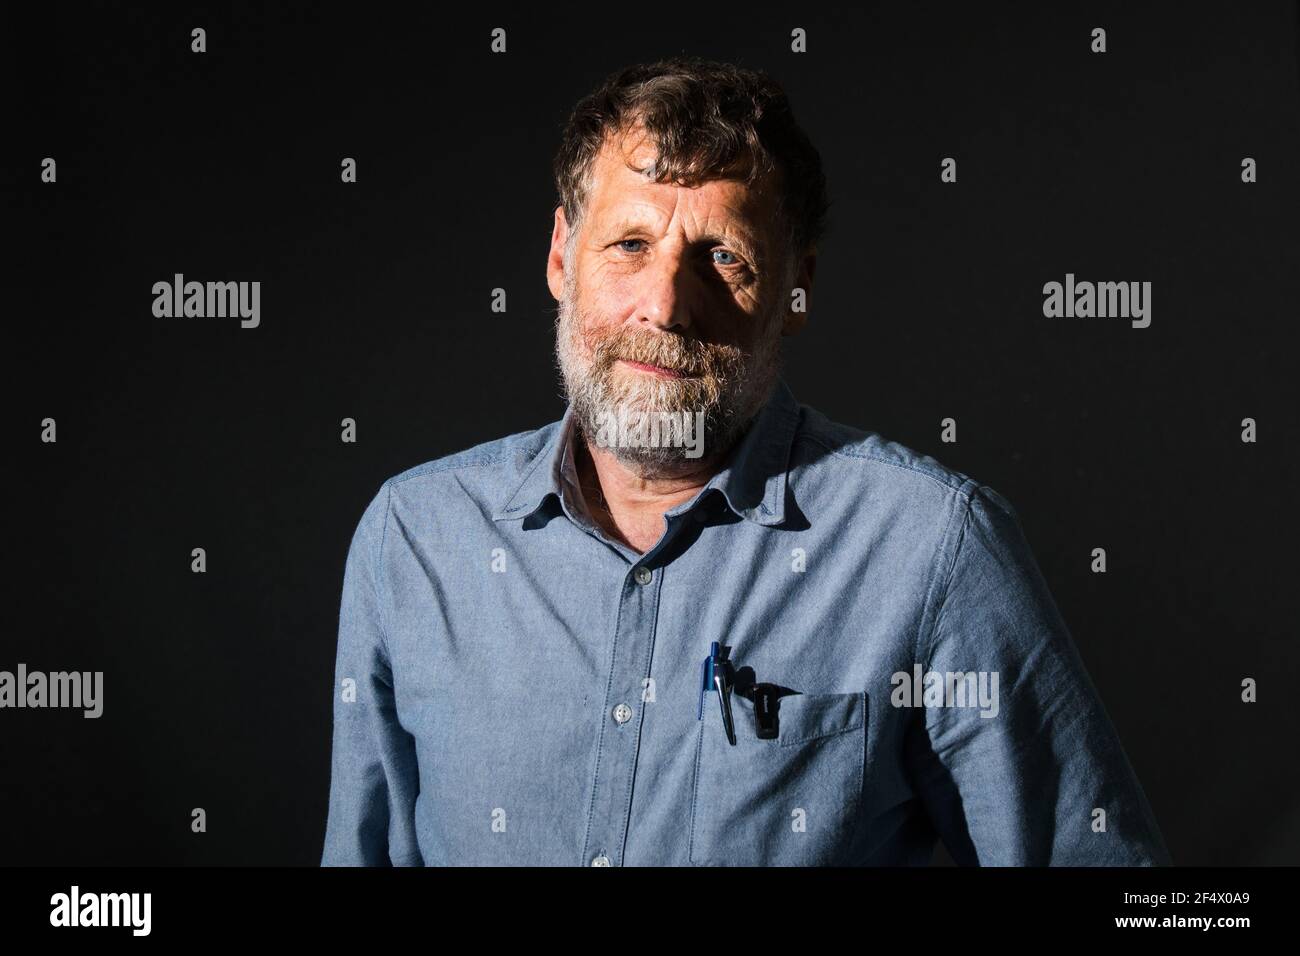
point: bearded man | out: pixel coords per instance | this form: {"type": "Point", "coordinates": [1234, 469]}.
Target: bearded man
{"type": "Point", "coordinates": [749, 637]}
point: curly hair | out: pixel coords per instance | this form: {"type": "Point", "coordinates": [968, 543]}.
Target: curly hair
{"type": "Point", "coordinates": [706, 119]}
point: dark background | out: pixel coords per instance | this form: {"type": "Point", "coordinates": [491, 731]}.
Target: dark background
{"type": "Point", "coordinates": [183, 433]}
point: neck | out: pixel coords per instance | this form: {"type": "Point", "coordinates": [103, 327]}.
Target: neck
{"type": "Point", "coordinates": [628, 504]}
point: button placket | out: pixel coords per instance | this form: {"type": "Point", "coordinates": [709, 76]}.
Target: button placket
{"type": "Point", "coordinates": [620, 733]}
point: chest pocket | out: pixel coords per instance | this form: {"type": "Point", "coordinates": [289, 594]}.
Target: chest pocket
{"type": "Point", "coordinates": [788, 801]}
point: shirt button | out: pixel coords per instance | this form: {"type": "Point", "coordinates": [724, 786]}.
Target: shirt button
{"type": "Point", "coordinates": [622, 713]}
{"type": "Point", "coordinates": [601, 860]}
{"type": "Point", "coordinates": [643, 575]}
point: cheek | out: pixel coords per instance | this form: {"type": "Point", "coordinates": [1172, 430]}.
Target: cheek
{"type": "Point", "coordinates": [609, 300]}
{"type": "Point", "coordinates": [734, 317]}
{"type": "Point", "coordinates": [728, 329]}
{"type": "Point", "coordinates": [598, 317]}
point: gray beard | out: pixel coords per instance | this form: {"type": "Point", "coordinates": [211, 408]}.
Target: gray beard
{"type": "Point", "coordinates": [722, 400]}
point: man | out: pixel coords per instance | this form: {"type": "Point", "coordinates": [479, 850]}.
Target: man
{"type": "Point", "coordinates": [525, 668]}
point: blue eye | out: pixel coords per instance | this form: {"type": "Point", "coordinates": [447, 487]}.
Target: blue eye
{"type": "Point", "coordinates": [725, 252]}
{"type": "Point", "coordinates": [624, 241]}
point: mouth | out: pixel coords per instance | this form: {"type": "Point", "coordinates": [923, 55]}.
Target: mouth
{"type": "Point", "coordinates": [654, 369]}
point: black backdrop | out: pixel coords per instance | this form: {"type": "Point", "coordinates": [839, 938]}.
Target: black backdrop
{"type": "Point", "coordinates": [183, 433]}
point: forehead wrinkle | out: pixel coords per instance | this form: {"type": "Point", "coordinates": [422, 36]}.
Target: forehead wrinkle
{"type": "Point", "coordinates": [616, 178]}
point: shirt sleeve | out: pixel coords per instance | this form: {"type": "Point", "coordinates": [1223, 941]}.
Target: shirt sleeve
{"type": "Point", "coordinates": [1037, 776]}
{"type": "Point", "coordinates": [373, 773]}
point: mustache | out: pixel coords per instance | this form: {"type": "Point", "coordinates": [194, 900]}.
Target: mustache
{"type": "Point", "coordinates": [665, 349]}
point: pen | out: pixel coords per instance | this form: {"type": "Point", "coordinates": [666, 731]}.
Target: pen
{"type": "Point", "coordinates": [715, 677]}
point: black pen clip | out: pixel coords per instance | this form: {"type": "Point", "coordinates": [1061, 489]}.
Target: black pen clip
{"type": "Point", "coordinates": [765, 697]}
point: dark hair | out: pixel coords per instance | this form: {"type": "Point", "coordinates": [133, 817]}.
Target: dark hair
{"type": "Point", "coordinates": [706, 119]}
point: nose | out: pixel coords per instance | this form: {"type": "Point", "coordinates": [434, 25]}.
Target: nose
{"type": "Point", "coordinates": [663, 295]}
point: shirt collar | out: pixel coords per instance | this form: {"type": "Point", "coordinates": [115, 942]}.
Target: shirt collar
{"type": "Point", "coordinates": [752, 482]}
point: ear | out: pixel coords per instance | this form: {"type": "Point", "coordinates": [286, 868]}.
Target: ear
{"type": "Point", "coordinates": [555, 259]}
{"type": "Point", "coordinates": [794, 321]}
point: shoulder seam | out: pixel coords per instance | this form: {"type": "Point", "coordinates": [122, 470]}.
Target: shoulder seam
{"type": "Point", "coordinates": [948, 486]}
{"type": "Point", "coordinates": [439, 465]}
{"type": "Point", "coordinates": [446, 462]}
{"type": "Point", "coordinates": [379, 563]}
{"type": "Point", "coordinates": [936, 599]}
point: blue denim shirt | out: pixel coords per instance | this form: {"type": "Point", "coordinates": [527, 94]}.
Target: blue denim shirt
{"type": "Point", "coordinates": [513, 687]}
